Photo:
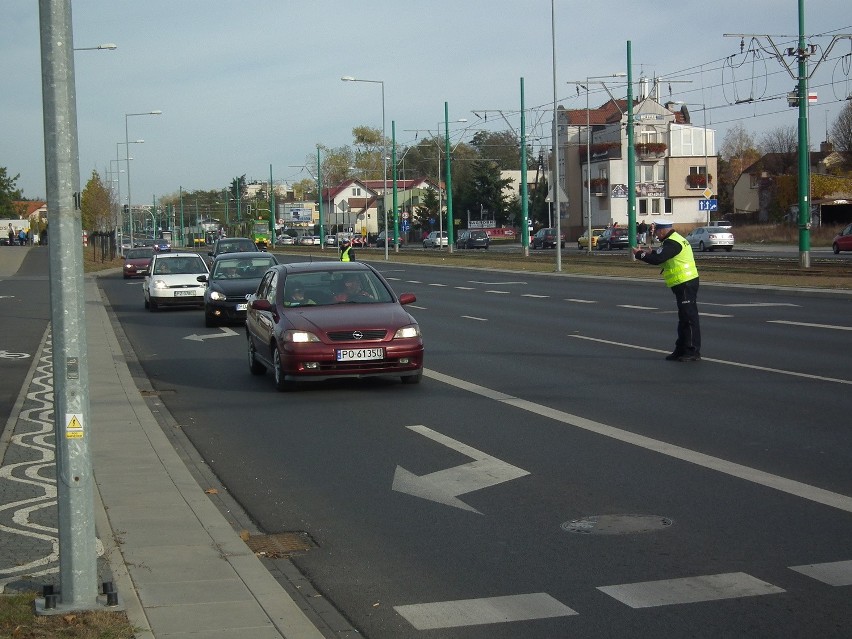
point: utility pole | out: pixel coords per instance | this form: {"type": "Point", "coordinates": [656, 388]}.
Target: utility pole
{"type": "Point", "coordinates": [800, 57]}
{"type": "Point", "coordinates": [71, 415]}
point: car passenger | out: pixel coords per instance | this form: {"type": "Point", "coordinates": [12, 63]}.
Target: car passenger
{"type": "Point", "coordinates": [353, 291]}
{"type": "Point", "coordinates": [296, 297]}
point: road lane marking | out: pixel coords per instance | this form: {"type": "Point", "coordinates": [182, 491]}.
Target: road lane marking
{"type": "Point", "coordinates": [475, 612]}
{"type": "Point", "coordinates": [465, 288]}
{"type": "Point", "coordinates": [732, 469]}
{"type": "Point", "coordinates": [640, 308]}
{"type": "Point", "coordinates": [750, 304]}
{"type": "Point", "coordinates": [445, 486]}
{"type": "Point", "coordinates": [497, 283]}
{"type": "Point", "coordinates": [499, 292]}
{"type": "Point", "coordinates": [224, 332]}
{"type": "Point", "coordinates": [435, 284]}
{"type": "Point", "coordinates": [478, 319]}
{"type": "Point", "coordinates": [703, 314]}
{"type": "Point", "coordinates": [667, 592]}
{"type": "Point", "coordinates": [779, 371]}
{"type": "Point", "coordinates": [835, 573]}
{"type": "Point", "coordinates": [538, 297]}
{"type": "Point", "coordinates": [578, 301]}
{"type": "Point", "coordinates": [808, 325]}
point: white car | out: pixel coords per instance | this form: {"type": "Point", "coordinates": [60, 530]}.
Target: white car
{"type": "Point", "coordinates": [172, 280]}
{"type": "Point", "coordinates": [435, 239]}
{"type": "Point", "coordinates": [709, 238]}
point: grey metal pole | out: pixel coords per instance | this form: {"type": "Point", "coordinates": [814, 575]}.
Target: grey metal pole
{"type": "Point", "coordinates": [556, 186]}
{"type": "Point", "coordinates": [71, 415]}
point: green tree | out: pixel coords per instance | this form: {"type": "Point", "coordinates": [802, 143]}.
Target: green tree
{"type": "Point", "coordinates": [841, 132]}
{"type": "Point", "coordinates": [8, 194]}
{"type": "Point", "coordinates": [502, 147]}
{"type": "Point", "coordinates": [97, 212]}
{"type": "Point", "coordinates": [426, 211]}
{"type": "Point", "coordinates": [483, 194]}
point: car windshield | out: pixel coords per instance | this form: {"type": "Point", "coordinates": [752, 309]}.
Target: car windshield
{"type": "Point", "coordinates": [241, 268]}
{"type": "Point", "coordinates": [138, 254]}
{"type": "Point", "coordinates": [322, 288]}
{"type": "Point", "coordinates": [180, 266]}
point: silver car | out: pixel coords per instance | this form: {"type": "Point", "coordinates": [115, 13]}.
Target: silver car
{"type": "Point", "coordinates": [709, 238]}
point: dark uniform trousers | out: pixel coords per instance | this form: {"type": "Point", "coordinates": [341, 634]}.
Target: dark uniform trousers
{"type": "Point", "coordinates": [688, 329]}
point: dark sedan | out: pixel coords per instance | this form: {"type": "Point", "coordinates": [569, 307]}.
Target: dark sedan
{"type": "Point", "coordinates": [232, 278]}
{"type": "Point", "coordinates": [314, 321]}
{"type": "Point", "coordinates": [546, 238]}
{"type": "Point", "coordinates": [232, 245]}
{"type": "Point", "coordinates": [613, 237]}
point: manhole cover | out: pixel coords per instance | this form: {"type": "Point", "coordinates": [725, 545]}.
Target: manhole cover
{"type": "Point", "coordinates": [280, 544]}
{"type": "Point", "coordinates": [616, 524]}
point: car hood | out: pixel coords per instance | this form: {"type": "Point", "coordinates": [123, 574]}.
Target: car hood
{"type": "Point", "coordinates": [341, 317]}
{"type": "Point", "coordinates": [235, 287]}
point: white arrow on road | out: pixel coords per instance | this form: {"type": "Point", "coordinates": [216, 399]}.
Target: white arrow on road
{"type": "Point", "coordinates": [444, 486]}
{"type": "Point", "coordinates": [226, 332]}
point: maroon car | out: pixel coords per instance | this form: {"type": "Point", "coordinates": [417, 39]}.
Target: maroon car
{"type": "Point", "coordinates": [136, 262]}
{"type": "Point", "coordinates": [313, 321]}
{"type": "Point", "coordinates": [842, 241]}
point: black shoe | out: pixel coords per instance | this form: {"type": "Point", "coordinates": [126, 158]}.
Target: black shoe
{"type": "Point", "coordinates": [674, 356]}
{"type": "Point", "coordinates": [694, 357]}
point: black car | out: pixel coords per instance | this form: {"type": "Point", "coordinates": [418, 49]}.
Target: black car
{"type": "Point", "coordinates": [380, 239]}
{"type": "Point", "coordinates": [613, 237]}
{"type": "Point", "coordinates": [546, 238]}
{"type": "Point", "coordinates": [474, 238]}
{"type": "Point", "coordinates": [233, 277]}
{"type": "Point", "coordinates": [233, 245]}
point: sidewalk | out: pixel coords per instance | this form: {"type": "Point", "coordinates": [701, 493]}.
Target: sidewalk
{"type": "Point", "coordinates": [179, 567]}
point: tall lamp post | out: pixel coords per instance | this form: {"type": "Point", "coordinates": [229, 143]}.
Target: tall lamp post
{"type": "Point", "coordinates": [588, 149]}
{"type": "Point", "coordinates": [127, 157]}
{"type": "Point", "coordinates": [349, 78]}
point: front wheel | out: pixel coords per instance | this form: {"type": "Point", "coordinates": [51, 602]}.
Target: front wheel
{"type": "Point", "coordinates": [281, 382]}
{"type": "Point", "coordinates": [701, 247]}
{"type": "Point", "coordinates": [836, 248]}
{"type": "Point", "coordinates": [255, 367]}
{"type": "Point", "coordinates": [412, 379]}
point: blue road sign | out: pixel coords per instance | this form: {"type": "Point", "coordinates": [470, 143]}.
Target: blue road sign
{"type": "Point", "coordinates": [708, 205]}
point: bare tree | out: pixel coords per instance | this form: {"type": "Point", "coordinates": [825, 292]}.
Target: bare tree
{"type": "Point", "coordinates": [841, 131]}
{"type": "Point", "coordinates": [738, 153]}
{"type": "Point", "coordinates": [780, 149]}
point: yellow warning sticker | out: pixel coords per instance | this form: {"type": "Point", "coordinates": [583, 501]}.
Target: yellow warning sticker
{"type": "Point", "coordinates": [74, 434]}
{"type": "Point", "coordinates": [74, 422]}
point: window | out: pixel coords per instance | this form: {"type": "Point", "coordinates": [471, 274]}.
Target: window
{"type": "Point", "coordinates": [356, 191]}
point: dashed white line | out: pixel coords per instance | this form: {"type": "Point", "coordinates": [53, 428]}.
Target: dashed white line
{"type": "Point", "coordinates": [499, 292]}
{"type": "Point", "coordinates": [808, 325]}
{"type": "Point", "coordinates": [475, 612]}
{"type": "Point", "coordinates": [640, 308]}
{"type": "Point", "coordinates": [578, 301]}
{"type": "Point", "coordinates": [440, 285]}
{"type": "Point", "coordinates": [465, 288]}
{"type": "Point", "coordinates": [478, 319]}
{"type": "Point", "coordinates": [538, 297]}
{"type": "Point", "coordinates": [667, 592]}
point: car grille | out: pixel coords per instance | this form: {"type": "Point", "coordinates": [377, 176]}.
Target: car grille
{"type": "Point", "coordinates": [349, 336]}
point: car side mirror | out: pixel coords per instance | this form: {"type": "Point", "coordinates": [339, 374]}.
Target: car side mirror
{"type": "Point", "coordinates": [201, 278]}
{"type": "Point", "coordinates": [407, 298]}
{"type": "Point", "coordinates": [261, 304]}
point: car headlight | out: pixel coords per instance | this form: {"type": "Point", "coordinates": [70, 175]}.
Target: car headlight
{"type": "Point", "coordinates": [412, 330]}
{"type": "Point", "coordinates": [216, 295]}
{"type": "Point", "coordinates": [160, 284]}
{"type": "Point", "coordinates": [299, 337]}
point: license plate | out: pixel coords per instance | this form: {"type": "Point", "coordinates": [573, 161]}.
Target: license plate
{"type": "Point", "coordinates": [184, 293]}
{"type": "Point", "coordinates": [358, 354]}
{"type": "Point", "coordinates": [242, 307]}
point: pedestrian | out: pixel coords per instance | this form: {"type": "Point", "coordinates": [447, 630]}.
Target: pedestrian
{"type": "Point", "coordinates": [22, 237]}
{"type": "Point", "coordinates": [346, 252]}
{"type": "Point", "coordinates": [681, 275]}
{"type": "Point", "coordinates": [642, 231]}
{"type": "Point", "coordinates": [11, 236]}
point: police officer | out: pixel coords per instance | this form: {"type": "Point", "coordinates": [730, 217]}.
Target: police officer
{"type": "Point", "coordinates": [681, 275]}
{"type": "Point", "coordinates": [346, 252]}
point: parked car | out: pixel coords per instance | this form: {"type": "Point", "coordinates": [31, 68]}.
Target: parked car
{"type": "Point", "coordinates": [583, 240]}
{"type": "Point", "coordinates": [232, 245]}
{"type": "Point", "coordinates": [380, 239]}
{"type": "Point", "coordinates": [435, 239]}
{"type": "Point", "coordinates": [473, 238]}
{"type": "Point", "coordinates": [136, 261]}
{"type": "Point", "coordinates": [285, 240]}
{"type": "Point", "coordinates": [232, 278]}
{"type": "Point", "coordinates": [613, 237]}
{"type": "Point", "coordinates": [842, 241]}
{"type": "Point", "coordinates": [709, 238]}
{"type": "Point", "coordinates": [306, 240]}
{"type": "Point", "coordinates": [173, 280]}
{"type": "Point", "coordinates": [313, 321]}
{"type": "Point", "coordinates": [546, 238]}
{"type": "Point", "coordinates": [331, 240]}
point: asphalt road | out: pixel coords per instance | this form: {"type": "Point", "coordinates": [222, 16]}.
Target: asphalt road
{"type": "Point", "coordinates": [613, 493]}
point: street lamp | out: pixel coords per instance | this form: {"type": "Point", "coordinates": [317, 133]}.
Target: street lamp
{"type": "Point", "coordinates": [349, 78]}
{"type": "Point", "coordinates": [589, 152]}
{"type": "Point", "coordinates": [130, 216]}
{"type": "Point", "coordinates": [127, 156]}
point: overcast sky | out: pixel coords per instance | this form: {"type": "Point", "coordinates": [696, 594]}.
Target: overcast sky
{"type": "Point", "coordinates": [252, 83]}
